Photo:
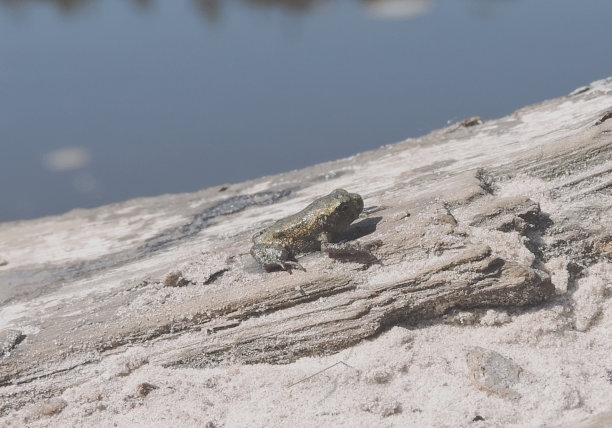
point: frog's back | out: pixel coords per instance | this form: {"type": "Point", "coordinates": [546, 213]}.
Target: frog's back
{"type": "Point", "coordinates": [303, 224]}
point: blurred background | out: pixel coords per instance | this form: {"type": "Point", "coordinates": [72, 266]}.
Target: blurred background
{"type": "Point", "coordinates": [105, 100]}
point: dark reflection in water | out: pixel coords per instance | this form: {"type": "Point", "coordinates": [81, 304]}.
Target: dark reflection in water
{"type": "Point", "coordinates": [297, 5]}
{"type": "Point", "coordinates": [210, 8]}
{"type": "Point", "coordinates": [383, 8]}
{"type": "Point", "coordinates": [63, 5]}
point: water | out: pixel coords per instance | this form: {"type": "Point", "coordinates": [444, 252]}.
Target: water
{"type": "Point", "coordinates": [101, 101]}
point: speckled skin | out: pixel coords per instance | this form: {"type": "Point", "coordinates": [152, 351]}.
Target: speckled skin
{"type": "Point", "coordinates": [305, 232]}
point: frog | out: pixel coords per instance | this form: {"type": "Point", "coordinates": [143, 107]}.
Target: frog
{"type": "Point", "coordinates": [312, 229]}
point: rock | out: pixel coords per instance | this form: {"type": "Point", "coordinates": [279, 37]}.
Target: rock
{"type": "Point", "coordinates": [215, 275]}
{"type": "Point", "coordinates": [507, 214]}
{"type": "Point", "coordinates": [124, 365]}
{"type": "Point", "coordinates": [175, 279]}
{"type": "Point", "coordinates": [493, 318]}
{"type": "Point", "coordinates": [9, 339]}
{"type": "Point", "coordinates": [145, 388]}
{"type": "Point", "coordinates": [559, 274]}
{"type": "Point", "coordinates": [3, 262]}
{"type": "Point", "coordinates": [379, 375]}
{"type": "Point", "coordinates": [382, 407]}
{"type": "Point", "coordinates": [466, 123]}
{"type": "Point", "coordinates": [589, 297]}
{"type": "Point", "coordinates": [491, 372]}
{"type": "Point", "coordinates": [461, 317]}
{"type": "Point", "coordinates": [45, 408]}
{"type": "Point", "coordinates": [606, 116]}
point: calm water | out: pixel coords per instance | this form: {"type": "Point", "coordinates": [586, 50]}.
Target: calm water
{"type": "Point", "coordinates": [104, 100]}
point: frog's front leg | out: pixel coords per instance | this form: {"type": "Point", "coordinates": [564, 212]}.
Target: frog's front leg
{"type": "Point", "coordinates": [336, 248]}
{"type": "Point", "coordinates": [274, 256]}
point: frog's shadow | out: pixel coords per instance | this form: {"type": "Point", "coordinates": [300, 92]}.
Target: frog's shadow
{"type": "Point", "coordinates": [358, 230]}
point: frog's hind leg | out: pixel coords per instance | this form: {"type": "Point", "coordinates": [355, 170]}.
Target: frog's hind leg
{"type": "Point", "coordinates": [274, 256]}
{"type": "Point", "coordinates": [351, 251]}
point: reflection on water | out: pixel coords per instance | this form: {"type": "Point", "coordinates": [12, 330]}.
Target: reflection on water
{"type": "Point", "coordinates": [63, 5]}
{"type": "Point", "coordinates": [383, 9]}
{"type": "Point", "coordinates": [397, 9]}
{"type": "Point", "coordinates": [66, 159]}
{"type": "Point", "coordinates": [211, 8]}
{"type": "Point", "coordinates": [75, 160]}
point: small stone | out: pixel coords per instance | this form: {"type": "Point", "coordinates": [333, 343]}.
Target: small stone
{"type": "Point", "coordinates": [45, 408]}
{"type": "Point", "coordinates": [571, 399]}
{"type": "Point", "coordinates": [559, 274]}
{"type": "Point", "coordinates": [3, 262]}
{"type": "Point", "coordinates": [380, 407]}
{"type": "Point", "coordinates": [214, 276]}
{"type": "Point", "coordinates": [379, 375]}
{"type": "Point", "coordinates": [589, 299]}
{"type": "Point", "coordinates": [175, 279]}
{"type": "Point", "coordinates": [52, 406]}
{"type": "Point", "coordinates": [145, 388]}
{"type": "Point", "coordinates": [124, 365]}
{"type": "Point", "coordinates": [461, 318]}
{"type": "Point", "coordinates": [9, 339]}
{"type": "Point", "coordinates": [493, 373]}
{"type": "Point", "coordinates": [495, 318]}
{"type": "Point", "coordinates": [606, 116]}
{"type": "Point", "coordinates": [400, 215]}
{"type": "Point", "coordinates": [471, 121]}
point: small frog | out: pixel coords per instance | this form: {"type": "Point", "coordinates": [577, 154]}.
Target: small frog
{"type": "Point", "coordinates": [312, 229]}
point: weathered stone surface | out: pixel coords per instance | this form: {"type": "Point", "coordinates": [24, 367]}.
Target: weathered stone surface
{"type": "Point", "coordinates": [465, 217]}
{"type": "Point", "coordinates": [508, 214]}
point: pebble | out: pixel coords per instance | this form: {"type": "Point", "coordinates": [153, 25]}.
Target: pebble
{"type": "Point", "coordinates": [8, 340]}
{"type": "Point", "coordinates": [493, 373]}
{"type": "Point", "coordinates": [175, 279]}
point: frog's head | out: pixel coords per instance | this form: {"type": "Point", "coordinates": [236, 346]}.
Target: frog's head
{"type": "Point", "coordinates": [346, 207]}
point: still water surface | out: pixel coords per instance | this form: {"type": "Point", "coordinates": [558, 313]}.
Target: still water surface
{"type": "Point", "coordinates": [105, 100]}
